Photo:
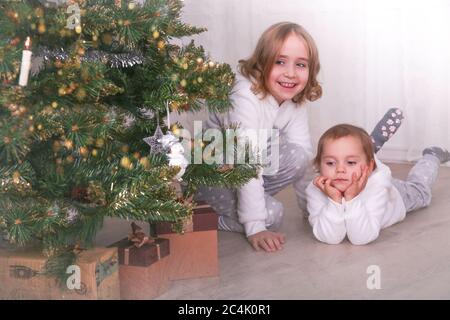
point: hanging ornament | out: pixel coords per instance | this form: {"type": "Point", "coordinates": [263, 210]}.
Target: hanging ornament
{"type": "Point", "coordinates": [72, 214]}
{"type": "Point", "coordinates": [110, 116]}
{"type": "Point", "coordinates": [170, 144]}
{"type": "Point", "coordinates": [154, 141]}
{"type": "Point", "coordinates": [147, 113]}
{"type": "Point", "coordinates": [129, 121]}
{"type": "Point", "coordinates": [176, 154]}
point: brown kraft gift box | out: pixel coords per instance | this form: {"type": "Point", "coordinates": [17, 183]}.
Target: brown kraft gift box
{"type": "Point", "coordinates": [21, 276]}
{"type": "Point", "coordinates": [193, 254]}
{"type": "Point", "coordinates": [143, 271]}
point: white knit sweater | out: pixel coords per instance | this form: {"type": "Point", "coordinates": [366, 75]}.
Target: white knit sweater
{"type": "Point", "coordinates": [378, 206]}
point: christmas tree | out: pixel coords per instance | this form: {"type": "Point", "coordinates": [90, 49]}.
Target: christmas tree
{"type": "Point", "coordinates": [75, 132]}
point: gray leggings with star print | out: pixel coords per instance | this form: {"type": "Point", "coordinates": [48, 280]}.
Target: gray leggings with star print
{"type": "Point", "coordinates": [416, 190]}
{"type": "Point", "coordinates": [295, 168]}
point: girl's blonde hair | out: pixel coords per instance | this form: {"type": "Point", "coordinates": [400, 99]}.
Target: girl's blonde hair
{"type": "Point", "coordinates": [346, 130]}
{"type": "Point", "coordinates": [257, 68]}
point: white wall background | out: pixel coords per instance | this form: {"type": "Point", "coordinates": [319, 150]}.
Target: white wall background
{"type": "Point", "coordinates": [374, 54]}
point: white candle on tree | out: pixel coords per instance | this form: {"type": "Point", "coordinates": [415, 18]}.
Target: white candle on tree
{"type": "Point", "coordinates": [26, 64]}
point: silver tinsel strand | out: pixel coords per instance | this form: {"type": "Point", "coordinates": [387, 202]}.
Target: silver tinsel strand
{"type": "Point", "coordinates": [113, 60]}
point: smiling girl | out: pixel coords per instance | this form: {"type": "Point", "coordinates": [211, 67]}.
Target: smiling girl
{"type": "Point", "coordinates": [269, 91]}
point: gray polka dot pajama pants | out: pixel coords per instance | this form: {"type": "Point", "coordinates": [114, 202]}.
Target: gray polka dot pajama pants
{"type": "Point", "coordinates": [294, 168]}
{"type": "Point", "coordinates": [416, 190]}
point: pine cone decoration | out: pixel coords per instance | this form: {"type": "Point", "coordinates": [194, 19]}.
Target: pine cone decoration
{"type": "Point", "coordinates": [79, 193]}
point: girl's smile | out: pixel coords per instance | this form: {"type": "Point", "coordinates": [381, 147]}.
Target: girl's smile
{"type": "Point", "coordinates": [289, 74]}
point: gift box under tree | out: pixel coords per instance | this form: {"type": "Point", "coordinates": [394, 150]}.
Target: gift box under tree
{"type": "Point", "coordinates": [193, 253]}
{"type": "Point", "coordinates": [143, 265]}
{"type": "Point", "coordinates": [22, 276]}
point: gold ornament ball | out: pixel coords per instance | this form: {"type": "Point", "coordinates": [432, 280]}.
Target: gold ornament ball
{"type": "Point", "coordinates": [99, 142]}
{"type": "Point", "coordinates": [42, 28]}
{"type": "Point", "coordinates": [155, 34]}
{"type": "Point", "coordinates": [81, 94]}
{"type": "Point", "coordinates": [199, 60]}
{"type": "Point", "coordinates": [78, 29]}
{"type": "Point", "coordinates": [54, 104]}
{"type": "Point", "coordinates": [39, 12]}
{"type": "Point", "coordinates": [56, 146]}
{"type": "Point", "coordinates": [125, 163]}
{"type": "Point", "coordinates": [94, 152]}
{"type": "Point", "coordinates": [125, 148]}
{"type": "Point", "coordinates": [161, 44]}
{"type": "Point", "coordinates": [16, 177]}
{"type": "Point", "coordinates": [145, 162]}
{"type": "Point", "coordinates": [83, 151]}
{"type": "Point", "coordinates": [107, 38]}
{"type": "Point", "coordinates": [183, 83]}
{"type": "Point", "coordinates": [131, 6]}
{"type": "Point", "coordinates": [211, 64]}
{"type": "Point", "coordinates": [199, 79]}
{"type": "Point", "coordinates": [68, 144]}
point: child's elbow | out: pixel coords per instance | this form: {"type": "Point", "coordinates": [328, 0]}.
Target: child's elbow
{"type": "Point", "coordinates": [361, 240]}
{"type": "Point", "coordinates": [331, 239]}
{"type": "Point", "coordinates": [334, 241]}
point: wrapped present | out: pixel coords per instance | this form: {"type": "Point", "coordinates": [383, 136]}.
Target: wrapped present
{"type": "Point", "coordinates": [149, 253]}
{"type": "Point", "coordinates": [140, 250]}
{"type": "Point", "coordinates": [142, 265]}
{"type": "Point", "coordinates": [21, 276]}
{"type": "Point", "coordinates": [187, 225]}
{"type": "Point", "coordinates": [193, 254]}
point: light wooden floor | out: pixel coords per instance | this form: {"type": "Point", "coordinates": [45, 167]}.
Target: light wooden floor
{"type": "Point", "coordinates": [413, 257]}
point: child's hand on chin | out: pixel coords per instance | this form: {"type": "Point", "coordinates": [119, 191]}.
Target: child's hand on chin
{"type": "Point", "coordinates": [267, 240]}
{"type": "Point", "coordinates": [324, 184]}
{"type": "Point", "coordinates": [358, 185]}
